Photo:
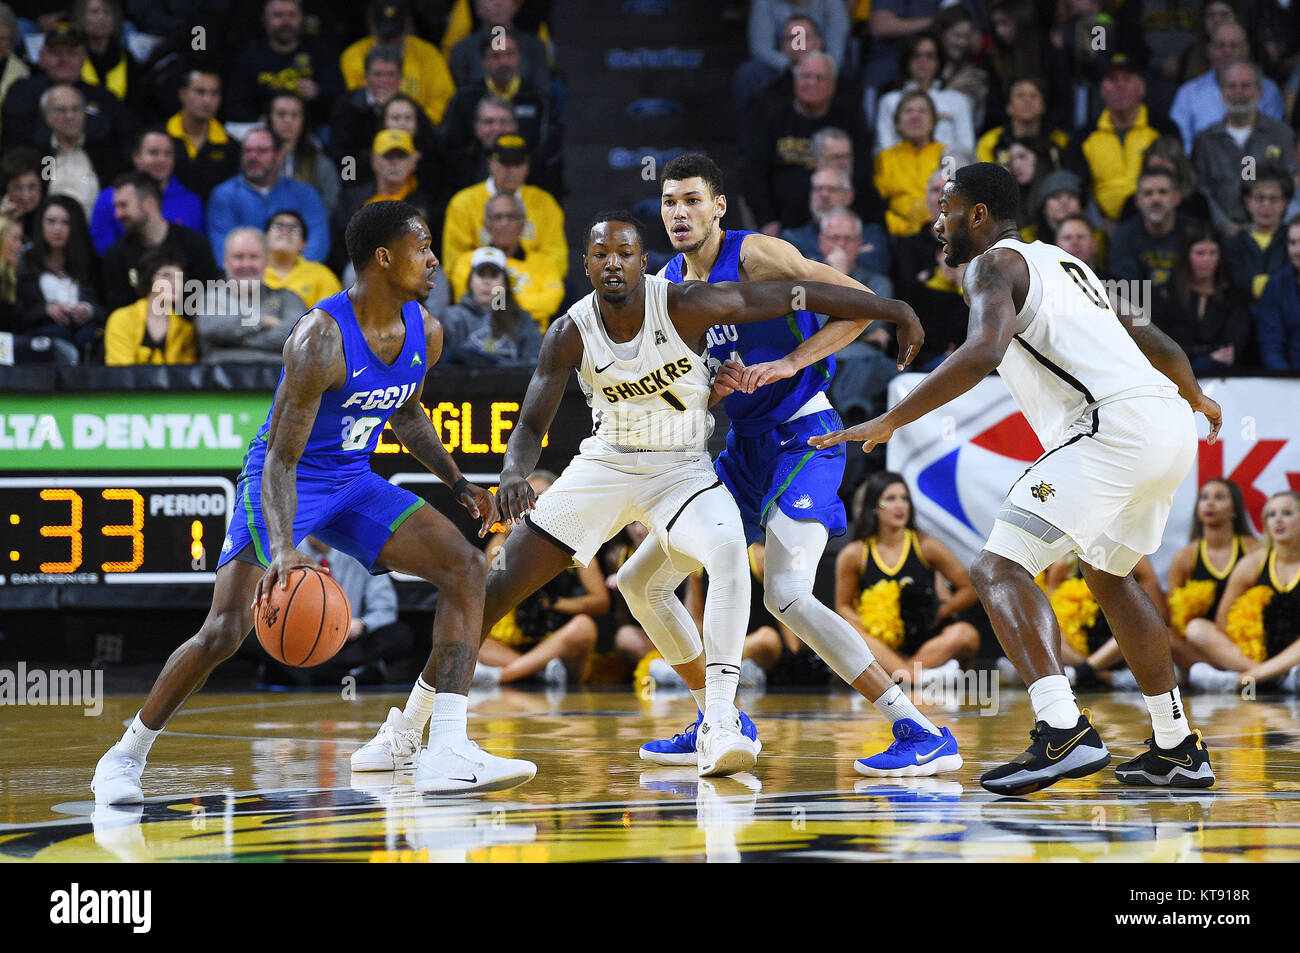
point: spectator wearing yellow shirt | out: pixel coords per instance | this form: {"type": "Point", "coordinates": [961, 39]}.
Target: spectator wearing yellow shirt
{"type": "Point", "coordinates": [543, 232]}
{"type": "Point", "coordinates": [538, 287]}
{"type": "Point", "coordinates": [150, 331]}
{"type": "Point", "coordinates": [903, 170]}
{"type": "Point", "coordinates": [425, 77]}
{"type": "Point", "coordinates": [286, 237]}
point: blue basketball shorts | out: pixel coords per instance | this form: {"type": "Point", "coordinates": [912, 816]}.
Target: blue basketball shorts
{"type": "Point", "coordinates": [356, 515]}
{"type": "Point", "coordinates": [779, 468]}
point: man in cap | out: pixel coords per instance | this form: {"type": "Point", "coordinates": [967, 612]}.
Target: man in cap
{"type": "Point", "coordinates": [543, 231]}
{"type": "Point", "coordinates": [393, 159]}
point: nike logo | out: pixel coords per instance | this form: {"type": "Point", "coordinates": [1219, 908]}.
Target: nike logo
{"type": "Point", "coordinates": [929, 757]}
{"type": "Point", "coordinates": [355, 373]}
{"type": "Point", "coordinates": [605, 368]}
{"type": "Point", "coordinates": [784, 442]}
{"type": "Point", "coordinates": [1059, 752]}
{"type": "Point", "coordinates": [472, 779]}
{"type": "Point", "coordinates": [790, 603]}
{"type": "Point", "coordinates": [1184, 763]}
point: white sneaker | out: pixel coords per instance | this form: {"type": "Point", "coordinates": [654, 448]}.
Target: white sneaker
{"type": "Point", "coordinates": [463, 768]}
{"type": "Point", "coordinates": [485, 676]}
{"type": "Point", "coordinates": [117, 778]}
{"type": "Point", "coordinates": [1207, 678]}
{"type": "Point", "coordinates": [394, 748]}
{"type": "Point", "coordinates": [945, 674]}
{"type": "Point", "coordinates": [721, 747]}
{"type": "Point", "coordinates": [1123, 680]}
{"type": "Point", "coordinates": [751, 675]}
{"type": "Point", "coordinates": [1291, 681]}
{"type": "Point", "coordinates": [555, 673]}
{"type": "Point", "coordinates": [664, 675]}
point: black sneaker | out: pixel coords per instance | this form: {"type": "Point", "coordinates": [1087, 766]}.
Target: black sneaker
{"type": "Point", "coordinates": [1054, 753]}
{"type": "Point", "coordinates": [1184, 766]}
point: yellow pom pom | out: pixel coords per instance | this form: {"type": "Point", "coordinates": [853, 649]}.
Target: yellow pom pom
{"type": "Point", "coordinates": [1246, 621]}
{"type": "Point", "coordinates": [1076, 612]}
{"type": "Point", "coordinates": [878, 610]}
{"type": "Point", "coordinates": [642, 671]}
{"type": "Point", "coordinates": [1192, 600]}
{"type": "Point", "coordinates": [507, 630]}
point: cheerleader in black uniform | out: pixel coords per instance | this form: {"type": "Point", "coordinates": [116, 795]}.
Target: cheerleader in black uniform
{"type": "Point", "coordinates": [1255, 636]}
{"type": "Point", "coordinates": [885, 586]}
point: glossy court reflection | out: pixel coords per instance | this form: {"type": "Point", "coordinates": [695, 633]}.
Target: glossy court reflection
{"type": "Point", "coordinates": [266, 777]}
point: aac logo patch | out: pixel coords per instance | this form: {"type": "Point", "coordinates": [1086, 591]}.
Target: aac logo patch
{"type": "Point", "coordinates": [1042, 492]}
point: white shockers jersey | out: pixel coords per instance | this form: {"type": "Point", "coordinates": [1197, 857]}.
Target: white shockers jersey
{"type": "Point", "coordinates": [657, 399]}
{"type": "Point", "coordinates": [1070, 352]}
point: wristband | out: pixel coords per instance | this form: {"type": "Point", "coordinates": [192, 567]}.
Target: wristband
{"type": "Point", "coordinates": [461, 484]}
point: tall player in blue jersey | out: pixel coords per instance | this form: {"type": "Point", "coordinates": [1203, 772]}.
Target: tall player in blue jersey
{"type": "Point", "coordinates": [786, 491]}
{"type": "Point", "coordinates": [357, 360]}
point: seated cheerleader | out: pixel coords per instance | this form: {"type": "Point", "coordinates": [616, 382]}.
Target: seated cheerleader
{"type": "Point", "coordinates": [1198, 576]}
{"type": "Point", "coordinates": [1088, 650]}
{"type": "Point", "coordinates": [1255, 637]}
{"type": "Point", "coordinates": [885, 586]}
{"type": "Point", "coordinates": [552, 632]}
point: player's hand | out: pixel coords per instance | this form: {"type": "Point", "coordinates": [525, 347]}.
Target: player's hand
{"type": "Point", "coordinates": [515, 497]}
{"type": "Point", "coordinates": [482, 505]}
{"type": "Point", "coordinates": [285, 561]}
{"type": "Point", "coordinates": [871, 433]}
{"type": "Point", "coordinates": [1213, 413]}
{"type": "Point", "coordinates": [727, 380]}
{"type": "Point", "coordinates": [756, 375]}
{"type": "Point", "coordinates": [910, 338]}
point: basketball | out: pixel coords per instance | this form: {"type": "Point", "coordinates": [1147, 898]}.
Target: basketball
{"type": "Point", "coordinates": [307, 622]}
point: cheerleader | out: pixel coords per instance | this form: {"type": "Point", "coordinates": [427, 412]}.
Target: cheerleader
{"type": "Point", "coordinates": [1255, 636]}
{"type": "Point", "coordinates": [885, 586]}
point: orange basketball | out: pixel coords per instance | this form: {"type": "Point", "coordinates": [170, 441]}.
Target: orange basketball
{"type": "Point", "coordinates": [307, 622]}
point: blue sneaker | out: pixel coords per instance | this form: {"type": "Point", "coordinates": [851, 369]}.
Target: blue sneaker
{"type": "Point", "coordinates": [915, 752]}
{"type": "Point", "coordinates": [680, 748]}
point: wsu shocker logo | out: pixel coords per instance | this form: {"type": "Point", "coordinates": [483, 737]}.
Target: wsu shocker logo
{"type": "Point", "coordinates": [1042, 492]}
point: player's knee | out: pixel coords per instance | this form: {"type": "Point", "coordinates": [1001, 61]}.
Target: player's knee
{"type": "Point", "coordinates": [630, 582]}
{"type": "Point", "coordinates": [984, 571]}
{"type": "Point", "coordinates": [728, 562]}
{"type": "Point", "coordinates": [222, 635]}
{"type": "Point", "coordinates": [782, 591]}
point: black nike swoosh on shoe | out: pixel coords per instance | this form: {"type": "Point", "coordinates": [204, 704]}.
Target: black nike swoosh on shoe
{"type": "Point", "coordinates": [605, 368]}
{"type": "Point", "coordinates": [472, 779]}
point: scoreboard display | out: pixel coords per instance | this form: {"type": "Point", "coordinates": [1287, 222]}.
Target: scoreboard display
{"type": "Point", "coordinates": [122, 500]}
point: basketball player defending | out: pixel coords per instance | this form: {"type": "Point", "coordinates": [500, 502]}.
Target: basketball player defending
{"type": "Point", "coordinates": [637, 343]}
{"type": "Point", "coordinates": [355, 361]}
{"type": "Point", "coordinates": [787, 493]}
{"type": "Point", "coordinates": [1122, 438]}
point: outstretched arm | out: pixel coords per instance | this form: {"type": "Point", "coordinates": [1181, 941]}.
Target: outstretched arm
{"type": "Point", "coordinates": [989, 285]}
{"type": "Point", "coordinates": [1169, 359]}
{"type": "Point", "coordinates": [561, 353]}
{"type": "Point", "coordinates": [413, 427]}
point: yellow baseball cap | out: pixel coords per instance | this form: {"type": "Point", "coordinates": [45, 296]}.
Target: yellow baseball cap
{"type": "Point", "coordinates": [390, 139]}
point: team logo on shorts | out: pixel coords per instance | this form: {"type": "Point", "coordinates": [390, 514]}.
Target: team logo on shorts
{"type": "Point", "coordinates": [803, 503]}
{"type": "Point", "coordinates": [225, 546]}
{"type": "Point", "coordinates": [1042, 492]}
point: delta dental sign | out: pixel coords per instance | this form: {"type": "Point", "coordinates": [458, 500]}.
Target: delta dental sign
{"type": "Point", "coordinates": [151, 431]}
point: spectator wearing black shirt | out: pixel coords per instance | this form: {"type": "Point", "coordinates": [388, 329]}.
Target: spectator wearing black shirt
{"type": "Point", "coordinates": [468, 164]}
{"type": "Point", "coordinates": [1277, 316]}
{"type": "Point", "coordinates": [1076, 236]}
{"type": "Point", "coordinates": [108, 64]}
{"type": "Point", "coordinates": [1199, 309]}
{"type": "Point", "coordinates": [466, 63]}
{"type": "Point", "coordinates": [58, 288]}
{"type": "Point", "coordinates": [285, 59]}
{"type": "Point", "coordinates": [137, 203]}
{"type": "Point", "coordinates": [205, 154]}
{"type": "Point", "coordinates": [1145, 248]}
{"type": "Point", "coordinates": [354, 119]}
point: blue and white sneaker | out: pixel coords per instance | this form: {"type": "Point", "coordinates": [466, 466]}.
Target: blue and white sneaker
{"type": "Point", "coordinates": [680, 748]}
{"type": "Point", "coordinates": [914, 753]}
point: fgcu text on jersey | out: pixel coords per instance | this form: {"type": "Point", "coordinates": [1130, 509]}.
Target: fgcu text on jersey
{"type": "Point", "coordinates": [350, 419]}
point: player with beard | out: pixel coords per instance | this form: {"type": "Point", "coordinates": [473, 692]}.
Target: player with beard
{"type": "Point", "coordinates": [1114, 400]}
{"type": "Point", "coordinates": [637, 343]}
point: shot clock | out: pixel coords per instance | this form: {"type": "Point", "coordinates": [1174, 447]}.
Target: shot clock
{"type": "Point", "coordinates": [115, 528]}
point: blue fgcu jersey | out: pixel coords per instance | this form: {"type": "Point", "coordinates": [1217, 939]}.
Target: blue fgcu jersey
{"type": "Point", "coordinates": [351, 419]}
{"type": "Point", "coordinates": [756, 413]}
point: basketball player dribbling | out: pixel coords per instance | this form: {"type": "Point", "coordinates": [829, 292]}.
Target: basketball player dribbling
{"type": "Point", "coordinates": [358, 359]}
{"type": "Point", "coordinates": [1116, 409]}
{"type": "Point", "coordinates": [788, 494]}
{"type": "Point", "coordinates": [637, 344]}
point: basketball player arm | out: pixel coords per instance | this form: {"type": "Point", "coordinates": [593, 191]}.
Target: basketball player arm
{"type": "Point", "coordinates": [561, 353]}
{"type": "Point", "coordinates": [1170, 360]}
{"type": "Point", "coordinates": [988, 286]}
{"type": "Point", "coordinates": [771, 259]}
{"type": "Point", "coordinates": [412, 426]}
{"type": "Point", "coordinates": [313, 363]}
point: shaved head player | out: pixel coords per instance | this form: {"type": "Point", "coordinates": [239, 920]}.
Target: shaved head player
{"type": "Point", "coordinates": [637, 343]}
{"type": "Point", "coordinates": [358, 359]}
{"type": "Point", "coordinates": [1113, 400]}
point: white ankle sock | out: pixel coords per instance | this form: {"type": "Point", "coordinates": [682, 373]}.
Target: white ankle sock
{"type": "Point", "coordinates": [420, 705]}
{"type": "Point", "coordinates": [698, 695]}
{"type": "Point", "coordinates": [1168, 718]}
{"type": "Point", "coordinates": [893, 704]}
{"type": "Point", "coordinates": [720, 683]}
{"type": "Point", "coordinates": [450, 716]}
{"type": "Point", "coordinates": [1054, 702]}
{"type": "Point", "coordinates": [137, 739]}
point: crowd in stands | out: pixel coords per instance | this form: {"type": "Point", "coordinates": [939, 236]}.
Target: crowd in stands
{"type": "Point", "coordinates": [151, 149]}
